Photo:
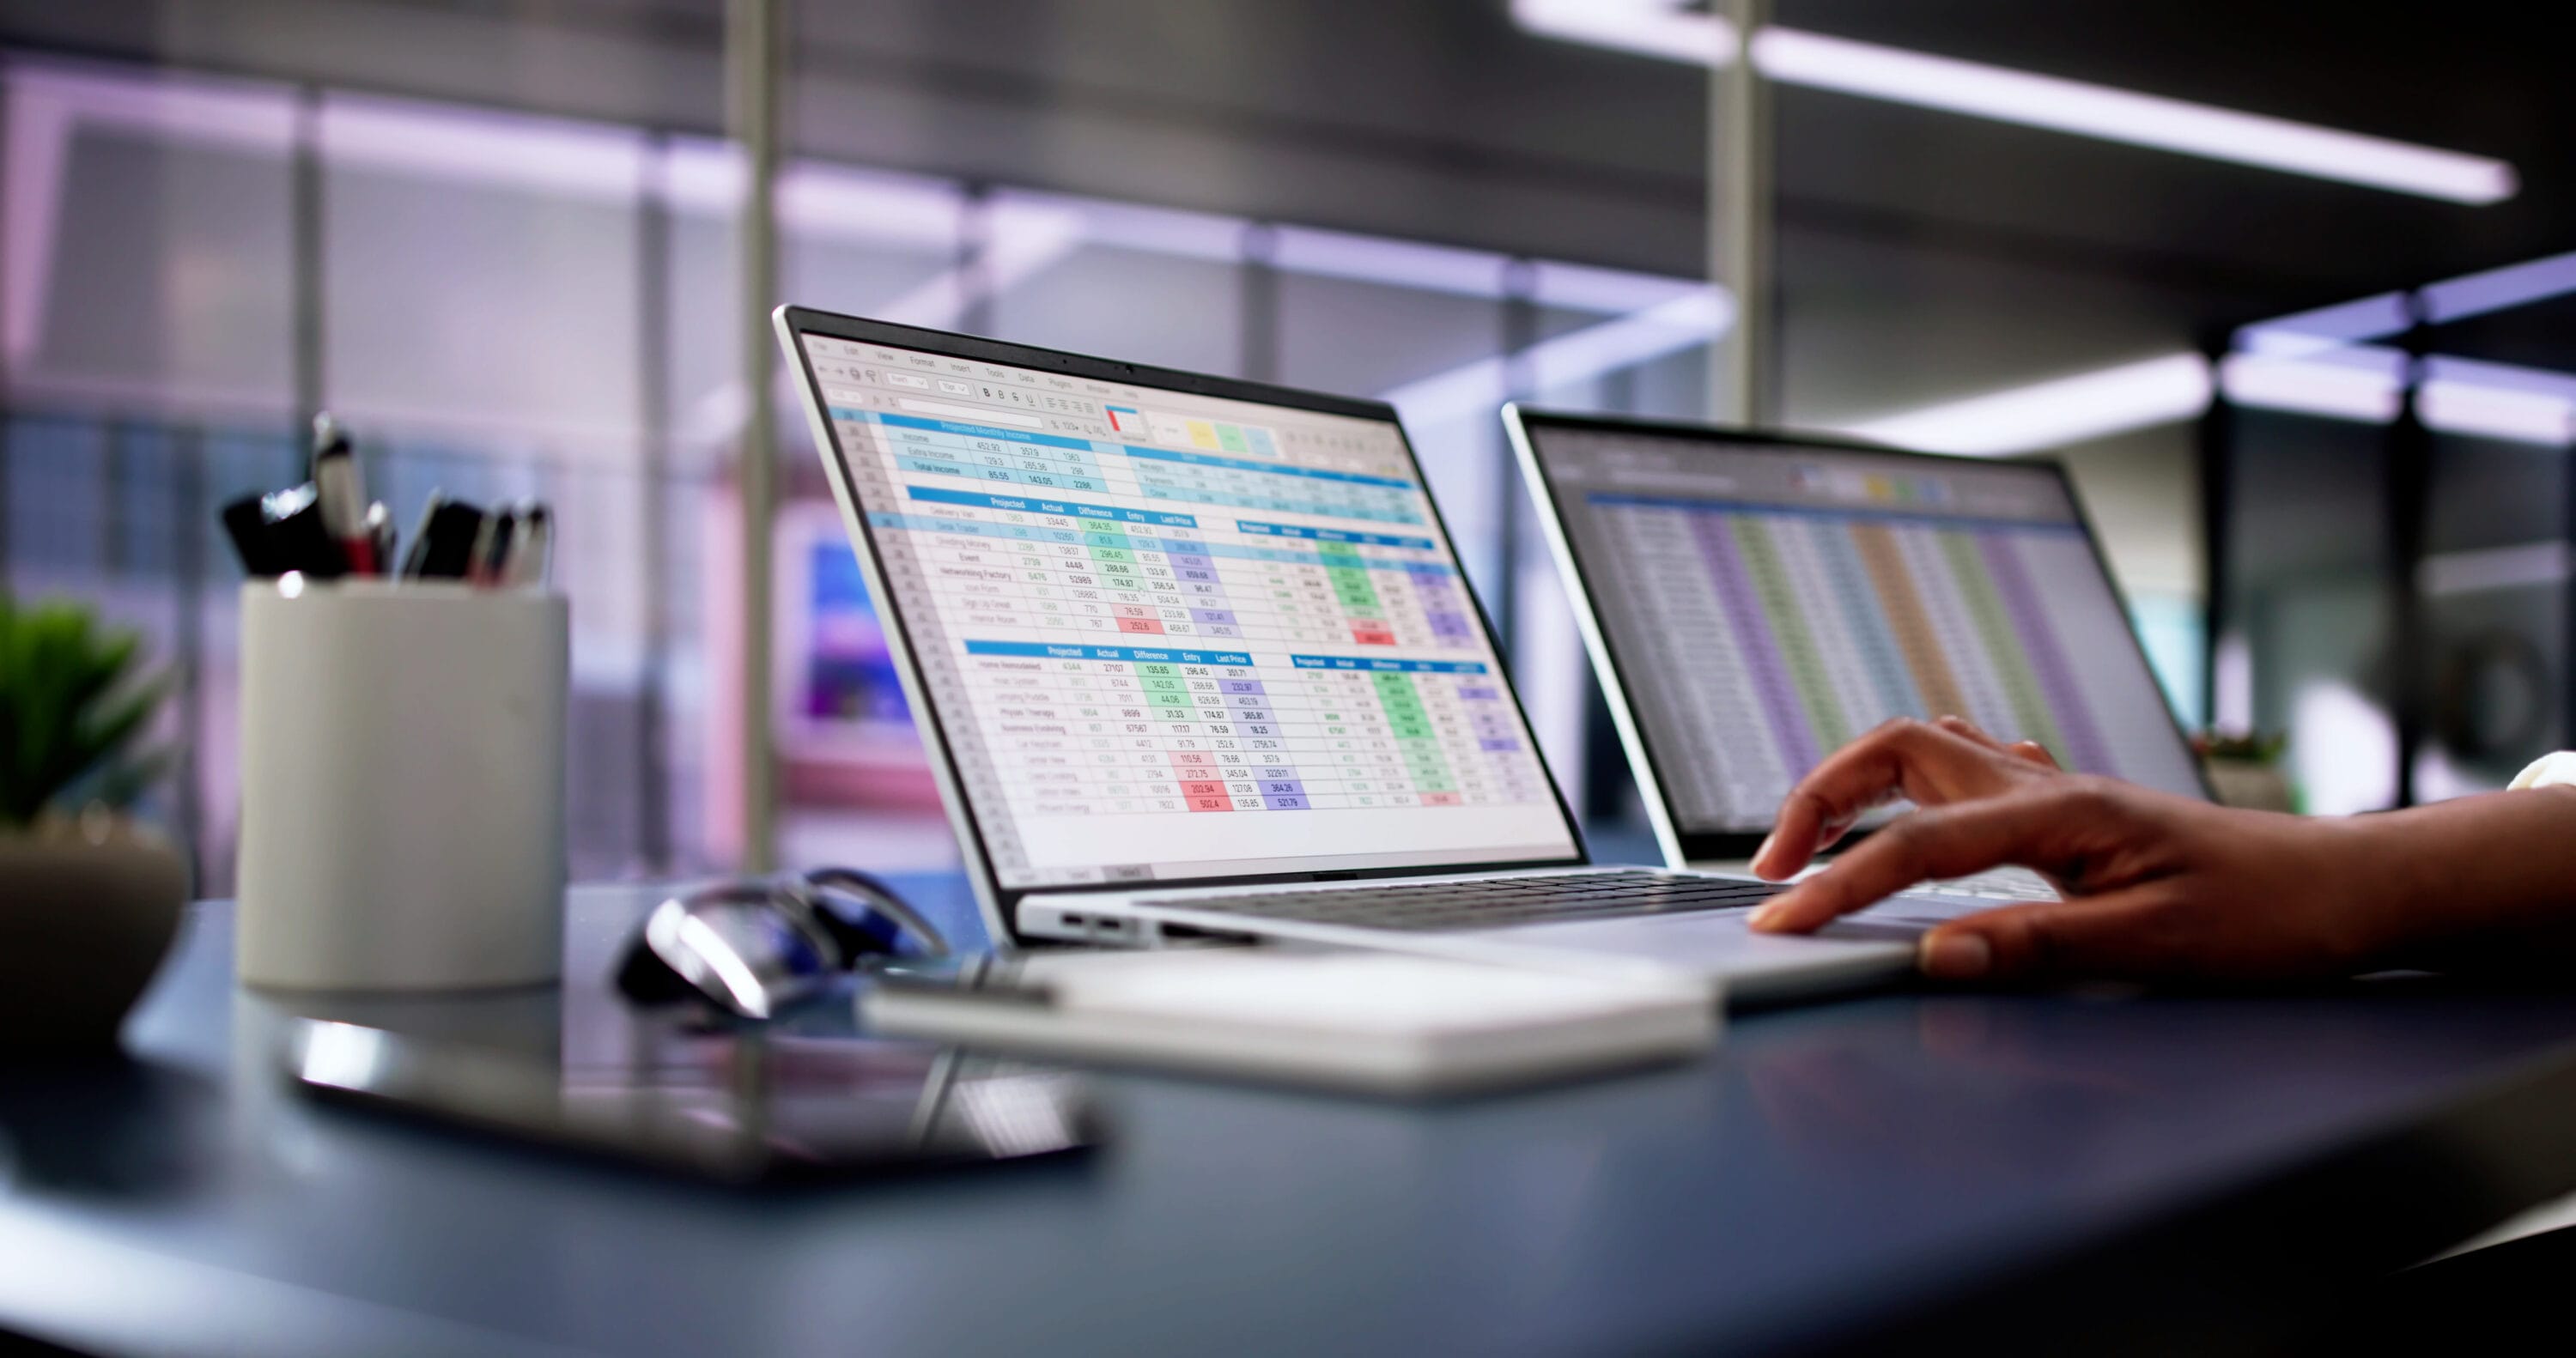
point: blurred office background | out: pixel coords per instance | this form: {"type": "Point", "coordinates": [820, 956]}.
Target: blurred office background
{"type": "Point", "coordinates": [498, 238]}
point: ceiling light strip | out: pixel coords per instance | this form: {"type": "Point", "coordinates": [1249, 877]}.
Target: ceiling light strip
{"type": "Point", "coordinates": [2051, 414]}
{"type": "Point", "coordinates": [1657, 28]}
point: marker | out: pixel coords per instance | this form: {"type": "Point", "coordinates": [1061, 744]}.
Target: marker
{"type": "Point", "coordinates": [490, 563]}
{"type": "Point", "coordinates": [445, 547]}
{"type": "Point", "coordinates": [342, 490]}
{"type": "Point", "coordinates": [380, 536]}
{"type": "Point", "coordinates": [248, 528]}
{"type": "Point", "coordinates": [418, 557]}
{"type": "Point", "coordinates": [296, 537]}
{"type": "Point", "coordinates": [532, 551]}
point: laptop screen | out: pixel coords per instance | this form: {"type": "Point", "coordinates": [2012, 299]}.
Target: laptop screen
{"type": "Point", "coordinates": [1766, 601]}
{"type": "Point", "coordinates": [1167, 635]}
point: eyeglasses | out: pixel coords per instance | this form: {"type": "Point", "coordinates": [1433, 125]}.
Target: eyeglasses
{"type": "Point", "coordinates": [756, 948]}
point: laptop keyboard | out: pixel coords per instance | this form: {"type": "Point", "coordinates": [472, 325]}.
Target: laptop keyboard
{"type": "Point", "coordinates": [1490, 904]}
{"type": "Point", "coordinates": [1999, 884]}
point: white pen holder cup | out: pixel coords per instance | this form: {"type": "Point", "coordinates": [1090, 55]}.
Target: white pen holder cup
{"type": "Point", "coordinates": [402, 823]}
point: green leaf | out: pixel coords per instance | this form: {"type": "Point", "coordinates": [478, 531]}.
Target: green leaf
{"type": "Point", "coordinates": [73, 704]}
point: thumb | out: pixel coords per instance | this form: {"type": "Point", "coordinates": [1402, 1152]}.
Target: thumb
{"type": "Point", "coordinates": [2121, 935]}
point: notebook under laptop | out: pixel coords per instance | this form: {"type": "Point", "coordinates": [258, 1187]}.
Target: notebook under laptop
{"type": "Point", "coordinates": [1753, 600]}
{"type": "Point", "coordinates": [1193, 656]}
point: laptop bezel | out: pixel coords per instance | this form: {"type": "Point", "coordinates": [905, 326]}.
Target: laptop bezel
{"type": "Point", "coordinates": [996, 899]}
{"type": "Point", "coordinates": [1682, 846]}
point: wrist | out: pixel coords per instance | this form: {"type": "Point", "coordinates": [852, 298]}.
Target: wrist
{"type": "Point", "coordinates": [2482, 882]}
{"type": "Point", "coordinates": [2378, 872]}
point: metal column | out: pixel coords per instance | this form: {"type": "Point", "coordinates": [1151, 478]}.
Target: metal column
{"type": "Point", "coordinates": [753, 55]}
{"type": "Point", "coordinates": [2567, 625]}
{"type": "Point", "coordinates": [2407, 485]}
{"type": "Point", "coordinates": [1519, 333]}
{"type": "Point", "coordinates": [1746, 366]}
{"type": "Point", "coordinates": [2216, 448]}
{"type": "Point", "coordinates": [305, 247]}
{"type": "Point", "coordinates": [653, 506]}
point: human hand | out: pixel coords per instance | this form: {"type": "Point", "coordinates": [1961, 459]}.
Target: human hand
{"type": "Point", "coordinates": [2157, 886]}
{"type": "Point", "coordinates": [1928, 763]}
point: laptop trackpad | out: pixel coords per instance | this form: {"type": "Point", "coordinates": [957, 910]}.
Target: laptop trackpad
{"type": "Point", "coordinates": [1724, 939]}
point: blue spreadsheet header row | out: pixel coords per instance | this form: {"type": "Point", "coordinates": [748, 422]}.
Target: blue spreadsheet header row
{"type": "Point", "coordinates": [1376, 665]}
{"type": "Point", "coordinates": [1333, 535]}
{"type": "Point", "coordinates": [1069, 508]}
{"type": "Point", "coordinates": [1048, 650]}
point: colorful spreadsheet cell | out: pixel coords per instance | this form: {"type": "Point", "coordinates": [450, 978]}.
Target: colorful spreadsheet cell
{"type": "Point", "coordinates": [1111, 729]}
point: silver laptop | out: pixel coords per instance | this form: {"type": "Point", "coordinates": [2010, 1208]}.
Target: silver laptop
{"type": "Point", "coordinates": [1753, 600]}
{"type": "Point", "coordinates": [1193, 656]}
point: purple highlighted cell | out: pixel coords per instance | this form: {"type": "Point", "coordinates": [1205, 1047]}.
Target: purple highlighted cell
{"type": "Point", "coordinates": [1223, 617]}
{"type": "Point", "coordinates": [1240, 685]}
{"type": "Point", "coordinates": [1282, 787]}
{"type": "Point", "coordinates": [1285, 804]}
{"type": "Point", "coordinates": [1277, 771]}
{"type": "Point", "coordinates": [1482, 695]}
{"type": "Point", "coordinates": [1499, 745]}
{"type": "Point", "coordinates": [1763, 662]}
{"type": "Point", "coordinates": [2039, 642]}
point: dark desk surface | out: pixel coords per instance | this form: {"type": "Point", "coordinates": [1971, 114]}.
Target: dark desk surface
{"type": "Point", "coordinates": [1829, 1170]}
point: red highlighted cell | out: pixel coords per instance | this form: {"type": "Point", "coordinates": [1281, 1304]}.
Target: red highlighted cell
{"type": "Point", "coordinates": [1442, 799]}
{"type": "Point", "coordinates": [1369, 638]}
{"type": "Point", "coordinates": [1207, 796]}
{"type": "Point", "coordinates": [1148, 625]}
{"type": "Point", "coordinates": [1192, 761]}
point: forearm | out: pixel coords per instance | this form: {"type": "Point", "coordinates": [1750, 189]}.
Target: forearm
{"type": "Point", "coordinates": [2482, 883]}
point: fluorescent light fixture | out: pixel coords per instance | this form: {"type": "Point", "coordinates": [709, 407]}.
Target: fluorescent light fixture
{"type": "Point", "coordinates": [1581, 287]}
{"type": "Point", "coordinates": [2332, 327]}
{"type": "Point", "coordinates": [2056, 412]}
{"type": "Point", "coordinates": [2088, 110]}
{"type": "Point", "coordinates": [1477, 389]}
{"type": "Point", "coordinates": [1404, 264]}
{"type": "Point", "coordinates": [1169, 232]}
{"type": "Point", "coordinates": [2370, 392]}
{"type": "Point", "coordinates": [1648, 28]}
{"type": "Point", "coordinates": [564, 159]}
{"type": "Point", "coordinates": [1656, 28]}
{"type": "Point", "coordinates": [2502, 289]}
{"type": "Point", "coordinates": [2497, 401]}
{"type": "Point", "coordinates": [2495, 413]}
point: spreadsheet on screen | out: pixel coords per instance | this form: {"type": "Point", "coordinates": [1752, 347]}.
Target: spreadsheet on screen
{"type": "Point", "coordinates": [1769, 602]}
{"type": "Point", "coordinates": [1169, 635]}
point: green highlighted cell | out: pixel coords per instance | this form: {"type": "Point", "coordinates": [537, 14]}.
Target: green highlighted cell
{"type": "Point", "coordinates": [1994, 627]}
{"type": "Point", "coordinates": [1415, 738]}
{"type": "Point", "coordinates": [1350, 578]}
{"type": "Point", "coordinates": [1798, 649]}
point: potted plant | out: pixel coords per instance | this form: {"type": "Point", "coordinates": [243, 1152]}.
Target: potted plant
{"type": "Point", "coordinates": [89, 900]}
{"type": "Point", "coordinates": [2245, 769]}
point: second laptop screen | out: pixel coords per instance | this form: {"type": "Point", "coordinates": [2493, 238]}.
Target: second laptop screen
{"type": "Point", "coordinates": [1767, 603]}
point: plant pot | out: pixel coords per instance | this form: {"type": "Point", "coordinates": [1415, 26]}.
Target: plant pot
{"type": "Point", "coordinates": [2249, 784]}
{"type": "Point", "coordinates": [87, 911]}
